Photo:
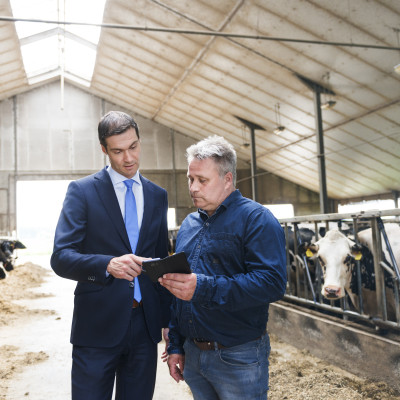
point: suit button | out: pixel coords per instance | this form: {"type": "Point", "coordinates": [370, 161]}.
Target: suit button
{"type": "Point", "coordinates": [131, 284]}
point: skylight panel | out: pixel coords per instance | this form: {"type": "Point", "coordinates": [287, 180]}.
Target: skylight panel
{"type": "Point", "coordinates": [74, 54]}
{"type": "Point", "coordinates": [49, 49]}
{"type": "Point", "coordinates": [88, 11]}
{"type": "Point", "coordinates": [34, 9]}
{"type": "Point", "coordinates": [41, 56]}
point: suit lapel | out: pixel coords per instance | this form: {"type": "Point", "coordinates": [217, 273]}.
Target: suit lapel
{"type": "Point", "coordinates": [106, 192]}
{"type": "Point", "coordinates": [148, 202]}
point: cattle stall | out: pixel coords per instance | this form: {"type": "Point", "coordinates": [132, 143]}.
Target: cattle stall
{"type": "Point", "coordinates": [377, 304]}
{"type": "Point", "coordinates": [359, 330]}
{"type": "Point", "coordinates": [345, 334]}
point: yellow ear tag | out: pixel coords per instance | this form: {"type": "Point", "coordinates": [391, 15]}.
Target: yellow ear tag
{"type": "Point", "coordinates": [358, 256]}
{"type": "Point", "coordinates": [309, 253]}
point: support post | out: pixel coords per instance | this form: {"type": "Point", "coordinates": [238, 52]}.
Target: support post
{"type": "Point", "coordinates": [323, 192]}
{"type": "Point", "coordinates": [317, 90]}
{"type": "Point", "coordinates": [252, 126]}
{"type": "Point", "coordinates": [254, 188]}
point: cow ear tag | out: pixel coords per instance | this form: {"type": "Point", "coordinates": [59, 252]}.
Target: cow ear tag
{"type": "Point", "coordinates": [358, 256]}
{"type": "Point", "coordinates": [309, 253]}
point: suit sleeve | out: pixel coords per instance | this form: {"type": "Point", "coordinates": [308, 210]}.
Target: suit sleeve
{"type": "Point", "coordinates": [68, 259]}
{"type": "Point", "coordinates": [162, 251]}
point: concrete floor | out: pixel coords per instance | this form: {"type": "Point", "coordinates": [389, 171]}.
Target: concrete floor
{"type": "Point", "coordinates": [50, 379]}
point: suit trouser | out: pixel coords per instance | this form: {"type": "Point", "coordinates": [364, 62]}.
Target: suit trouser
{"type": "Point", "coordinates": [133, 363]}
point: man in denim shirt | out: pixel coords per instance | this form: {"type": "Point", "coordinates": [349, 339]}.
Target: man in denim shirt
{"type": "Point", "coordinates": [236, 250]}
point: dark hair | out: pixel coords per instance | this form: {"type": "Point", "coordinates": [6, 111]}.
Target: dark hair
{"type": "Point", "coordinates": [114, 123]}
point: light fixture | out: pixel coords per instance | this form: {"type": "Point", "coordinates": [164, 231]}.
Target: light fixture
{"type": "Point", "coordinates": [245, 141]}
{"type": "Point", "coordinates": [280, 128]}
{"type": "Point", "coordinates": [396, 68]}
{"type": "Point", "coordinates": [328, 104]}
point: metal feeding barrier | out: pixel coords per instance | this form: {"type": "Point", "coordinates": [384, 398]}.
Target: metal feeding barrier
{"type": "Point", "coordinates": [305, 276]}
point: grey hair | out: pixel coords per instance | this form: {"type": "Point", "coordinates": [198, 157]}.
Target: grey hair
{"type": "Point", "coordinates": [217, 148]}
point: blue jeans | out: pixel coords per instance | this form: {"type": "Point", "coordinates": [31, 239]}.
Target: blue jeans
{"type": "Point", "coordinates": [239, 372]}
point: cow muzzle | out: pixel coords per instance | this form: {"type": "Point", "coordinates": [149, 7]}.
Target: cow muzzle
{"type": "Point", "coordinates": [332, 292]}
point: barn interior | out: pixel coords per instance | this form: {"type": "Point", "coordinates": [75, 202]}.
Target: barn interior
{"type": "Point", "coordinates": [307, 91]}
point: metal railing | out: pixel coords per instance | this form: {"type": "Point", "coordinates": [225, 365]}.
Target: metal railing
{"type": "Point", "coordinates": [305, 278]}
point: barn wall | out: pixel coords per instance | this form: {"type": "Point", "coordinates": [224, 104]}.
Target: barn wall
{"type": "Point", "coordinates": [38, 140]}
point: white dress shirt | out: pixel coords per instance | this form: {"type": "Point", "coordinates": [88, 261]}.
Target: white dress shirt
{"type": "Point", "coordinates": [120, 190]}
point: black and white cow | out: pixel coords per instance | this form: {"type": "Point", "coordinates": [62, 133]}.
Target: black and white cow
{"type": "Point", "coordinates": [305, 235]}
{"type": "Point", "coordinates": [337, 255]}
{"type": "Point", "coordinates": [172, 234]}
{"type": "Point", "coordinates": [2, 273]}
{"type": "Point", "coordinates": [7, 258]}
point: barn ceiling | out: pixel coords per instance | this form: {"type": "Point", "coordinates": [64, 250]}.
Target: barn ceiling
{"type": "Point", "coordinates": [251, 68]}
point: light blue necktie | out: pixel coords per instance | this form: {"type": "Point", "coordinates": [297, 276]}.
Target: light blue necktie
{"type": "Point", "coordinates": [132, 227]}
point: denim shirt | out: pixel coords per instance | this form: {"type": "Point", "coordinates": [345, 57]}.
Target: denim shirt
{"type": "Point", "coordinates": [239, 257]}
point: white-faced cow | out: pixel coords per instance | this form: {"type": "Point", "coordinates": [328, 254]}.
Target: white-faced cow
{"type": "Point", "coordinates": [305, 234]}
{"type": "Point", "coordinates": [337, 255]}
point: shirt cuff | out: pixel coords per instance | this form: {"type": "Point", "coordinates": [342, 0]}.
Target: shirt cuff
{"type": "Point", "coordinates": [175, 349]}
{"type": "Point", "coordinates": [204, 285]}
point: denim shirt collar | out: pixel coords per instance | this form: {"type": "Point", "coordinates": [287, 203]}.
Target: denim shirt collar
{"type": "Point", "coordinates": [223, 206]}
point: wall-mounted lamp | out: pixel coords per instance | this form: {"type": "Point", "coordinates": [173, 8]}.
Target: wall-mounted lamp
{"type": "Point", "coordinates": [280, 128]}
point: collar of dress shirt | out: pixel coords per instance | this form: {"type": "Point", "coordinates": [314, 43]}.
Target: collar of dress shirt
{"type": "Point", "coordinates": [117, 178]}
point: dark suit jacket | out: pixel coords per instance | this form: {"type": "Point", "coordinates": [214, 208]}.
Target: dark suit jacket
{"type": "Point", "coordinates": [90, 232]}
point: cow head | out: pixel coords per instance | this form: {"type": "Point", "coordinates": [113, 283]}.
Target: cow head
{"type": "Point", "coordinates": [336, 254]}
{"type": "Point", "coordinates": [8, 246]}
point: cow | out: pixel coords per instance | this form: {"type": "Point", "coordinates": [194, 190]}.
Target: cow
{"type": "Point", "coordinates": [338, 254]}
{"type": "Point", "coordinates": [7, 247]}
{"type": "Point", "coordinates": [305, 235]}
{"type": "Point", "coordinates": [172, 234]}
{"type": "Point", "coordinates": [2, 273]}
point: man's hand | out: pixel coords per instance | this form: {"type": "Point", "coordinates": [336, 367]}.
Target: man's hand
{"type": "Point", "coordinates": [164, 355]}
{"type": "Point", "coordinates": [176, 364]}
{"type": "Point", "coordinates": [128, 266]}
{"type": "Point", "coordinates": [181, 286]}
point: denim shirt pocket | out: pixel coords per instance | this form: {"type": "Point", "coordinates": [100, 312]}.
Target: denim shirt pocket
{"type": "Point", "coordinates": [223, 253]}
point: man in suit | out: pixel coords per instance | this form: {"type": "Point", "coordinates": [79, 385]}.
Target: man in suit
{"type": "Point", "coordinates": [118, 313]}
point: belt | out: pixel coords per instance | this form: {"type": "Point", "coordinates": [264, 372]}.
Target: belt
{"type": "Point", "coordinates": [136, 304]}
{"type": "Point", "coordinates": [204, 345]}
{"type": "Point", "coordinates": [208, 345]}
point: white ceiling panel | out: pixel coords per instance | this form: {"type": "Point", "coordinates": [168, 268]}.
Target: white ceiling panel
{"type": "Point", "coordinates": [197, 84]}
